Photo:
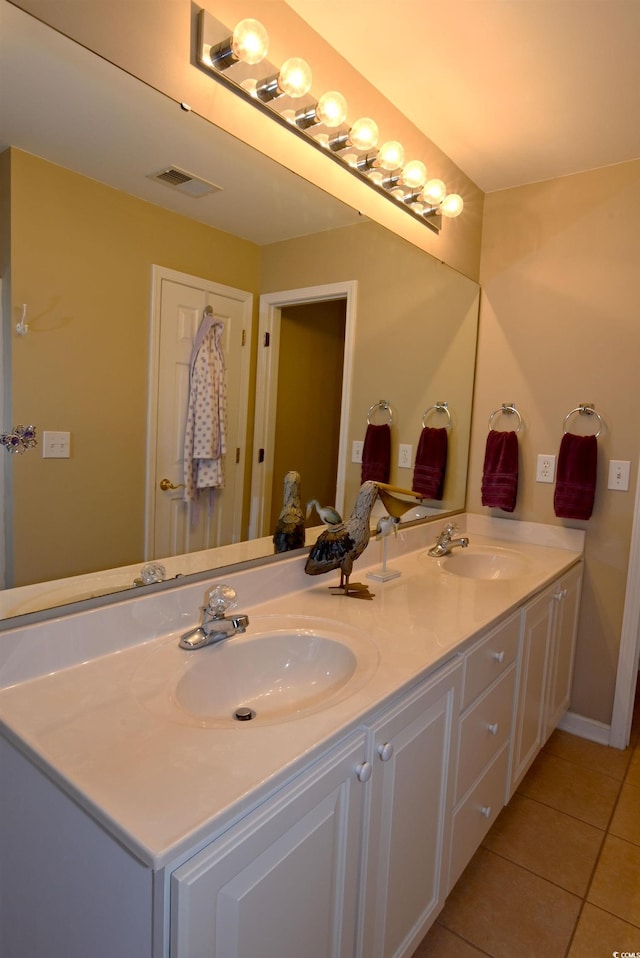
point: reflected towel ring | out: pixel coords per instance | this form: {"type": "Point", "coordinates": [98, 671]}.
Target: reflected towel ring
{"type": "Point", "coordinates": [507, 409]}
{"type": "Point", "coordinates": [381, 404]}
{"type": "Point", "coordinates": [437, 407]}
{"type": "Point", "coordinates": [585, 409]}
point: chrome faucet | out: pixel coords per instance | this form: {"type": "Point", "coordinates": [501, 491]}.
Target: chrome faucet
{"type": "Point", "coordinates": [445, 543]}
{"type": "Point", "coordinates": [215, 625]}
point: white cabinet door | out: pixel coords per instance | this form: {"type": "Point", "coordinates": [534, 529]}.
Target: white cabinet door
{"type": "Point", "coordinates": [409, 817]}
{"type": "Point", "coordinates": [284, 881]}
{"type": "Point", "coordinates": [565, 627]}
{"type": "Point", "coordinates": [528, 729]}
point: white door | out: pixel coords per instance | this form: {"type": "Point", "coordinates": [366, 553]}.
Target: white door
{"type": "Point", "coordinates": [173, 526]}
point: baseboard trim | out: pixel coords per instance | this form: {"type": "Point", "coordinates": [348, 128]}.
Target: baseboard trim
{"type": "Point", "coordinates": [585, 727]}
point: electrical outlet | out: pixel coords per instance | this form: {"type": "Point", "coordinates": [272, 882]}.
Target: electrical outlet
{"type": "Point", "coordinates": [356, 450]}
{"type": "Point", "coordinates": [619, 475]}
{"type": "Point", "coordinates": [405, 455]}
{"type": "Point", "coordinates": [546, 468]}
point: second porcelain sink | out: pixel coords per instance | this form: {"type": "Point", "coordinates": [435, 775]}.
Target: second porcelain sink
{"type": "Point", "coordinates": [486, 562]}
{"type": "Point", "coordinates": [282, 668]}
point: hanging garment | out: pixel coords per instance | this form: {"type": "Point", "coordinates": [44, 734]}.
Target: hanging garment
{"type": "Point", "coordinates": [206, 425]}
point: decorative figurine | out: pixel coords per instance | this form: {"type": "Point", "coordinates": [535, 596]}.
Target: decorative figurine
{"type": "Point", "coordinates": [289, 532]}
{"type": "Point", "coordinates": [340, 545]}
{"type": "Point", "coordinates": [327, 514]}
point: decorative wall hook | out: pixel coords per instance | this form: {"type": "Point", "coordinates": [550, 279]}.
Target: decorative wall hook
{"type": "Point", "coordinates": [22, 328]}
{"type": "Point", "coordinates": [21, 439]}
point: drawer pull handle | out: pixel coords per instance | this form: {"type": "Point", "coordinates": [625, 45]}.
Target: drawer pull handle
{"type": "Point", "coordinates": [485, 811]}
{"type": "Point", "coordinates": [499, 656]}
{"type": "Point", "coordinates": [364, 771]}
{"type": "Point", "coordinates": [385, 751]}
{"type": "Point", "coordinates": [493, 728]}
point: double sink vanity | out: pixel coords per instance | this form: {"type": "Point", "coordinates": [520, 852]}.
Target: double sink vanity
{"type": "Point", "coordinates": [315, 785]}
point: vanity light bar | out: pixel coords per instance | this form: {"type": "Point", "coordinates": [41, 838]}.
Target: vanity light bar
{"type": "Point", "coordinates": [238, 60]}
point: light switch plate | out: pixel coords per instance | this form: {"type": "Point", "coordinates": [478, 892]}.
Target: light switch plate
{"type": "Point", "coordinates": [619, 470]}
{"type": "Point", "coordinates": [56, 445]}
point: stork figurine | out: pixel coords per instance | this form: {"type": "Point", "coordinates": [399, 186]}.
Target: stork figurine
{"type": "Point", "coordinates": [339, 545]}
{"type": "Point", "coordinates": [327, 514]}
{"type": "Point", "coordinates": [289, 532]}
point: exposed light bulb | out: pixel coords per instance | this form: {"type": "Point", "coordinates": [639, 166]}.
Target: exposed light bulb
{"type": "Point", "coordinates": [434, 192]}
{"type": "Point", "coordinates": [451, 205]}
{"type": "Point", "coordinates": [250, 41]}
{"type": "Point", "coordinates": [331, 109]}
{"type": "Point", "coordinates": [414, 174]}
{"type": "Point", "coordinates": [390, 155]}
{"type": "Point", "coordinates": [363, 135]}
{"type": "Point", "coordinates": [295, 77]}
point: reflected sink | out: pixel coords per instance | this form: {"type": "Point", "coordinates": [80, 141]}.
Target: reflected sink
{"type": "Point", "coordinates": [282, 668]}
{"type": "Point", "coordinates": [480, 562]}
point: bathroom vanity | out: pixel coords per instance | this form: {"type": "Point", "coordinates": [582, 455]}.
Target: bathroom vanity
{"type": "Point", "coordinates": [138, 819]}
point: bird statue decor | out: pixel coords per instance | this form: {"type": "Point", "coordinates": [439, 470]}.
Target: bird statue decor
{"type": "Point", "coordinates": [327, 514]}
{"type": "Point", "coordinates": [339, 545]}
{"type": "Point", "coordinates": [289, 532]}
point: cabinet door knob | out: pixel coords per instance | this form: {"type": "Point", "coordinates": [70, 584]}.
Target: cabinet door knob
{"type": "Point", "coordinates": [493, 728]}
{"type": "Point", "coordinates": [385, 751]}
{"type": "Point", "coordinates": [499, 656]}
{"type": "Point", "coordinates": [485, 811]}
{"type": "Point", "coordinates": [364, 771]}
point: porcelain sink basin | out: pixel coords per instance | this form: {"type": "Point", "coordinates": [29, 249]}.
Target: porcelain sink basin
{"type": "Point", "coordinates": [479, 562]}
{"type": "Point", "coordinates": [281, 669]}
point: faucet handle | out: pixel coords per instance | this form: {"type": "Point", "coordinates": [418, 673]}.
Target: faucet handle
{"type": "Point", "coordinates": [221, 598]}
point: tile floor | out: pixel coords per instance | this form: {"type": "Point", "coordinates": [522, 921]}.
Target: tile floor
{"type": "Point", "coordinates": [558, 875]}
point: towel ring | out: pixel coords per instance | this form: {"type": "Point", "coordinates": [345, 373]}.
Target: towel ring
{"type": "Point", "coordinates": [381, 404]}
{"type": "Point", "coordinates": [437, 407]}
{"type": "Point", "coordinates": [585, 409]}
{"type": "Point", "coordinates": [507, 409]}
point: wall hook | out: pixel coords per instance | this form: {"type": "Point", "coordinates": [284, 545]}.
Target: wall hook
{"type": "Point", "coordinates": [22, 328]}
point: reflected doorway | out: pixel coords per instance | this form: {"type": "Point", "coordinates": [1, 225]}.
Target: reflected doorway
{"type": "Point", "coordinates": [290, 409]}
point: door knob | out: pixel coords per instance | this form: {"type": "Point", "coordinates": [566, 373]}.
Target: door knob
{"type": "Point", "coordinates": [166, 484]}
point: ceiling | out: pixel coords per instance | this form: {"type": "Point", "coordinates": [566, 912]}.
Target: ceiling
{"type": "Point", "coordinates": [513, 91]}
{"type": "Point", "coordinates": [61, 102]}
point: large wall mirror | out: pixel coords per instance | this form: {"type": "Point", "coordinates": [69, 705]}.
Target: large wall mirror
{"type": "Point", "coordinates": [89, 237]}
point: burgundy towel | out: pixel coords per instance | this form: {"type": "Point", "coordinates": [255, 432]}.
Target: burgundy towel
{"type": "Point", "coordinates": [431, 462]}
{"type": "Point", "coordinates": [376, 453]}
{"type": "Point", "coordinates": [500, 473]}
{"type": "Point", "coordinates": [576, 477]}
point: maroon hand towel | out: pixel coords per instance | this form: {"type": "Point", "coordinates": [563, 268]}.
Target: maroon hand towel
{"type": "Point", "coordinates": [376, 453]}
{"type": "Point", "coordinates": [500, 473]}
{"type": "Point", "coordinates": [431, 462]}
{"type": "Point", "coordinates": [576, 477]}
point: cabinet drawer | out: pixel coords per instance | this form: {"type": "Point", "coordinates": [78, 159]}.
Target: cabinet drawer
{"type": "Point", "coordinates": [476, 815]}
{"type": "Point", "coordinates": [490, 658]}
{"type": "Point", "coordinates": [484, 729]}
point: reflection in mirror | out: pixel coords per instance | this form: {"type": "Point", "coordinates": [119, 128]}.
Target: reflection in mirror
{"type": "Point", "coordinates": [88, 222]}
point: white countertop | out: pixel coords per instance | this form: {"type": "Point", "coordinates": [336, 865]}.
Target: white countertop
{"type": "Point", "coordinates": [162, 786]}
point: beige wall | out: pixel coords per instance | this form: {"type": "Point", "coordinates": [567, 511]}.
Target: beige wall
{"type": "Point", "coordinates": [153, 41]}
{"type": "Point", "coordinates": [415, 336]}
{"type": "Point", "coordinates": [559, 326]}
{"type": "Point", "coordinates": [81, 258]}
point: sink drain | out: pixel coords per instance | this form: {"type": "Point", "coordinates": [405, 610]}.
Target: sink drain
{"type": "Point", "coordinates": [244, 714]}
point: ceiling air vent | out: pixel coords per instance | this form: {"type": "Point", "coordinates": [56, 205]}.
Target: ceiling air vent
{"type": "Point", "coordinates": [184, 182]}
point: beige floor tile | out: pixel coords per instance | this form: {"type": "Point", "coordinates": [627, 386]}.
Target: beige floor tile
{"type": "Point", "coordinates": [626, 818]}
{"type": "Point", "coordinates": [442, 943]}
{"type": "Point", "coordinates": [581, 792]}
{"type": "Point", "coordinates": [600, 758]}
{"type": "Point", "coordinates": [633, 772]}
{"type": "Point", "coordinates": [505, 910]}
{"type": "Point", "coordinates": [616, 882]}
{"type": "Point", "coordinates": [547, 842]}
{"type": "Point", "coordinates": [600, 935]}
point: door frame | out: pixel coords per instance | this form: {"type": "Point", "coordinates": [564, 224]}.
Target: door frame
{"type": "Point", "coordinates": [271, 305]}
{"type": "Point", "coordinates": [158, 275]}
